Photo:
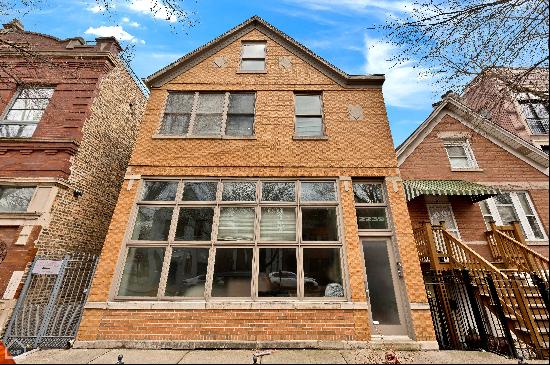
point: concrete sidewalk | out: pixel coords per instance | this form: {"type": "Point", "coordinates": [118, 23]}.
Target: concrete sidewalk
{"type": "Point", "coordinates": [97, 356]}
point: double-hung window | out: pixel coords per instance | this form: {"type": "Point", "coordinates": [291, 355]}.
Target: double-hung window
{"type": "Point", "coordinates": [26, 111]}
{"type": "Point", "coordinates": [309, 115]}
{"type": "Point", "coordinates": [371, 206]}
{"type": "Point", "coordinates": [253, 56]}
{"type": "Point", "coordinates": [15, 198]}
{"type": "Point", "coordinates": [460, 154]}
{"type": "Point", "coordinates": [513, 206]}
{"type": "Point", "coordinates": [200, 238]}
{"type": "Point", "coordinates": [207, 114]}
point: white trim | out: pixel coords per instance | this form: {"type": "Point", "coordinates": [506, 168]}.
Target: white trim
{"type": "Point", "coordinates": [513, 144]}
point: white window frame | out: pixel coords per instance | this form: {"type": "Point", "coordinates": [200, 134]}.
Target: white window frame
{"type": "Point", "coordinates": [520, 213]}
{"type": "Point", "coordinates": [323, 134]}
{"type": "Point", "coordinates": [241, 70]}
{"type": "Point", "coordinates": [465, 144]}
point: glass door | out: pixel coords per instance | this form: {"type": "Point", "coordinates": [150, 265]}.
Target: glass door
{"type": "Point", "coordinates": [383, 287]}
{"type": "Point", "coordinates": [443, 213]}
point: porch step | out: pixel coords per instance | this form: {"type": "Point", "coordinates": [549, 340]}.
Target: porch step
{"type": "Point", "coordinates": [536, 317]}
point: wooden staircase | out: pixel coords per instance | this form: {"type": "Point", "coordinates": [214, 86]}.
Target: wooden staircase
{"type": "Point", "coordinates": [514, 289]}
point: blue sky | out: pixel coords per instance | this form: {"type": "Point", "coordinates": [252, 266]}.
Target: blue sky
{"type": "Point", "coordinates": [337, 30]}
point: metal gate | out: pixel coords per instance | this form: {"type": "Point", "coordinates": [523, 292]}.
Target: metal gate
{"type": "Point", "coordinates": [49, 309]}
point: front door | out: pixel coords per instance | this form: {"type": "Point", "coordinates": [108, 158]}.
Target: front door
{"type": "Point", "coordinates": [443, 213]}
{"type": "Point", "coordinates": [383, 287]}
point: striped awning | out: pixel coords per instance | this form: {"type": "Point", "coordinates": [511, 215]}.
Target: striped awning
{"type": "Point", "coordinates": [476, 192]}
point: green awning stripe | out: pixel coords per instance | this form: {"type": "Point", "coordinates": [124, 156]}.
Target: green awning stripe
{"type": "Point", "coordinates": [478, 192]}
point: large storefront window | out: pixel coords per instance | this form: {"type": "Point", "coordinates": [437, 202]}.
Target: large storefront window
{"type": "Point", "coordinates": [224, 239]}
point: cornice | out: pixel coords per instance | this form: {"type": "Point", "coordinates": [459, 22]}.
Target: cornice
{"type": "Point", "coordinates": [29, 145]}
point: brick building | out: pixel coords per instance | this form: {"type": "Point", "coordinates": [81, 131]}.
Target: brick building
{"type": "Point", "coordinates": [468, 171]}
{"type": "Point", "coordinates": [69, 113]}
{"type": "Point", "coordinates": [261, 199]}
{"type": "Point", "coordinates": [523, 112]}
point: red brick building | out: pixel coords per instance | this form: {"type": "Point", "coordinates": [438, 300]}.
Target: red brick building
{"type": "Point", "coordinates": [466, 170]}
{"type": "Point", "coordinates": [69, 113]}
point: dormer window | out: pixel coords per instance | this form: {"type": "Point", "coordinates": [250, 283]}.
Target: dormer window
{"type": "Point", "coordinates": [253, 56]}
{"type": "Point", "coordinates": [536, 115]}
{"type": "Point", "coordinates": [26, 111]}
{"type": "Point", "coordinates": [460, 154]}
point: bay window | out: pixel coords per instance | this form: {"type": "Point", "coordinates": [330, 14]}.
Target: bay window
{"type": "Point", "coordinates": [219, 238]}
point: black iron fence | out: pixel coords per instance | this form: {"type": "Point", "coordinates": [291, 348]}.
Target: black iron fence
{"type": "Point", "coordinates": [508, 316]}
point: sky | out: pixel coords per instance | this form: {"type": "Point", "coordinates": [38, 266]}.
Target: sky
{"type": "Point", "coordinates": [340, 31]}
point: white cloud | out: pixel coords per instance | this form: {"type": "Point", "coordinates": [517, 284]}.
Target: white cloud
{"type": "Point", "coordinates": [130, 23]}
{"type": "Point", "coordinates": [405, 85]}
{"type": "Point", "coordinates": [113, 31]}
{"type": "Point", "coordinates": [96, 8]}
{"type": "Point", "coordinates": [154, 8]}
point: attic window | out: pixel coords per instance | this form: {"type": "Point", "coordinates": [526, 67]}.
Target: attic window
{"type": "Point", "coordinates": [460, 154]}
{"type": "Point", "coordinates": [253, 56]}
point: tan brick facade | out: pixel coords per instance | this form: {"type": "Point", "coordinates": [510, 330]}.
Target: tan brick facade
{"type": "Point", "coordinates": [358, 149]}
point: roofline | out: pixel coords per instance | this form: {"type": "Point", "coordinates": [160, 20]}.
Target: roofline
{"type": "Point", "coordinates": [189, 60]}
{"type": "Point", "coordinates": [535, 156]}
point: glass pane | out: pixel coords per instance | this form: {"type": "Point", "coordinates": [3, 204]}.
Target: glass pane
{"type": "Point", "coordinates": [199, 191]}
{"type": "Point", "coordinates": [159, 190]}
{"type": "Point", "coordinates": [236, 224]}
{"type": "Point", "coordinates": [278, 191]}
{"type": "Point", "coordinates": [232, 272]}
{"type": "Point", "coordinates": [525, 204]}
{"type": "Point", "coordinates": [179, 103]}
{"type": "Point", "coordinates": [319, 224]}
{"type": "Point", "coordinates": [239, 125]}
{"type": "Point", "coordinates": [456, 151]}
{"type": "Point", "coordinates": [253, 50]}
{"type": "Point", "coordinates": [152, 224]}
{"type": "Point", "coordinates": [25, 115]}
{"type": "Point", "coordinates": [210, 103]}
{"type": "Point", "coordinates": [241, 103]}
{"type": "Point", "coordinates": [439, 213]}
{"type": "Point", "coordinates": [44, 93]}
{"type": "Point", "coordinates": [16, 130]}
{"type": "Point", "coordinates": [318, 191]}
{"type": "Point", "coordinates": [507, 214]}
{"type": "Point", "coordinates": [322, 273]}
{"type": "Point", "coordinates": [309, 126]}
{"type": "Point", "coordinates": [239, 191]}
{"type": "Point", "coordinates": [503, 199]}
{"type": "Point", "coordinates": [541, 110]}
{"type": "Point", "coordinates": [308, 104]}
{"type": "Point", "coordinates": [368, 193]}
{"type": "Point", "coordinates": [195, 224]}
{"type": "Point", "coordinates": [253, 65]}
{"type": "Point", "coordinates": [175, 124]}
{"type": "Point", "coordinates": [535, 227]}
{"type": "Point", "coordinates": [278, 224]}
{"type": "Point", "coordinates": [187, 272]}
{"type": "Point", "coordinates": [527, 111]}
{"type": "Point", "coordinates": [15, 199]}
{"type": "Point", "coordinates": [372, 218]}
{"type": "Point", "coordinates": [142, 271]}
{"type": "Point", "coordinates": [459, 162]}
{"type": "Point", "coordinates": [207, 125]}
{"type": "Point", "coordinates": [30, 104]}
{"type": "Point", "coordinates": [380, 282]}
{"type": "Point", "coordinates": [277, 275]}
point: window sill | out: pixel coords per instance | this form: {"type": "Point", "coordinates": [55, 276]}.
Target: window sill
{"type": "Point", "coordinates": [251, 72]}
{"type": "Point", "coordinates": [467, 169]}
{"type": "Point", "coordinates": [308, 138]}
{"type": "Point", "coordinates": [160, 136]}
{"type": "Point", "coordinates": [328, 304]}
{"type": "Point", "coordinates": [537, 242]}
{"type": "Point", "coordinates": [20, 215]}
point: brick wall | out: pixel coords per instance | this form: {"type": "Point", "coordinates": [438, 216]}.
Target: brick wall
{"type": "Point", "coordinates": [353, 149]}
{"type": "Point", "coordinates": [429, 161]}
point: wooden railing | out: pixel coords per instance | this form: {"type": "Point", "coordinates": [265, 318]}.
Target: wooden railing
{"type": "Point", "coordinates": [444, 251]}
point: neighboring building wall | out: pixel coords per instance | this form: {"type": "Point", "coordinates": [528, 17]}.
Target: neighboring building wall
{"type": "Point", "coordinates": [497, 167]}
{"type": "Point", "coordinates": [353, 148]}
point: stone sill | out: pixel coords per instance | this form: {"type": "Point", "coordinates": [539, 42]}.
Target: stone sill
{"type": "Point", "coordinates": [308, 138]}
{"type": "Point", "coordinates": [473, 169]}
{"type": "Point", "coordinates": [197, 305]}
{"type": "Point", "coordinates": [20, 215]}
{"type": "Point", "coordinates": [160, 136]}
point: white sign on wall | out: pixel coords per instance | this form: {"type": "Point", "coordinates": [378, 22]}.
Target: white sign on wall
{"type": "Point", "coordinates": [47, 267]}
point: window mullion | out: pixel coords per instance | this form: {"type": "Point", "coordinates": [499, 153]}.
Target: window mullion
{"type": "Point", "coordinates": [522, 216]}
{"type": "Point", "coordinates": [164, 271]}
{"type": "Point", "coordinates": [225, 109]}
{"type": "Point", "coordinates": [193, 114]}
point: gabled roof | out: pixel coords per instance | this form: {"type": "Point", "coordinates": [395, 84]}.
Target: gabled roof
{"type": "Point", "coordinates": [510, 142]}
{"type": "Point", "coordinates": [191, 59]}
